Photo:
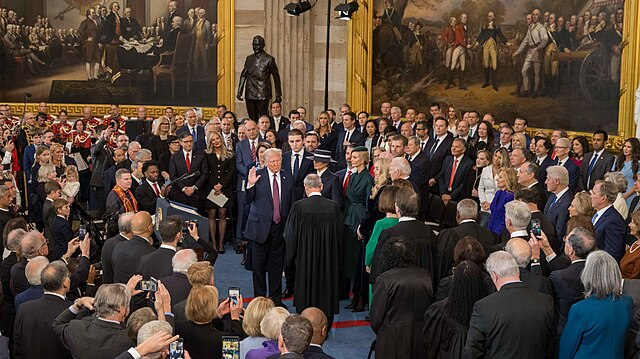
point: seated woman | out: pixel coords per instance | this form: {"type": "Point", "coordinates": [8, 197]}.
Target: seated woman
{"type": "Point", "coordinates": [201, 338]}
{"type": "Point", "coordinates": [270, 328]}
{"type": "Point", "coordinates": [253, 315]}
{"type": "Point", "coordinates": [61, 230]}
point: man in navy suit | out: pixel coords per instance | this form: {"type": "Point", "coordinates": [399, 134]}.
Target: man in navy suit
{"type": "Point", "coordinates": [331, 185]}
{"type": "Point", "coordinates": [278, 122]}
{"type": "Point", "coordinates": [269, 194]}
{"type": "Point", "coordinates": [543, 157]}
{"type": "Point", "coordinates": [563, 147]}
{"type": "Point", "coordinates": [597, 162]}
{"type": "Point", "coordinates": [557, 208]}
{"type": "Point", "coordinates": [438, 148]}
{"type": "Point", "coordinates": [246, 158]}
{"type": "Point", "coordinates": [188, 160]}
{"type": "Point", "coordinates": [453, 179]}
{"type": "Point", "coordinates": [199, 141]}
{"type": "Point", "coordinates": [347, 134]}
{"type": "Point", "coordinates": [296, 164]}
{"type": "Point", "coordinates": [321, 329]}
{"type": "Point", "coordinates": [610, 227]}
{"type": "Point", "coordinates": [294, 116]}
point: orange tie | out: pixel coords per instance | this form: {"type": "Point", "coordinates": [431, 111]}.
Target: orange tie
{"type": "Point", "coordinates": [453, 173]}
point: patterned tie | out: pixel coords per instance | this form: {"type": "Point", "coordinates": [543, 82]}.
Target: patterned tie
{"type": "Point", "coordinates": [594, 218]}
{"type": "Point", "coordinates": [276, 200]}
{"type": "Point", "coordinates": [188, 161]}
{"type": "Point", "coordinates": [253, 151]}
{"type": "Point", "coordinates": [453, 173]}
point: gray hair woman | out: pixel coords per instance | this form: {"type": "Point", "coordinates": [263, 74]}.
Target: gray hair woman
{"type": "Point", "coordinates": [597, 326]}
{"type": "Point", "coordinates": [620, 181]}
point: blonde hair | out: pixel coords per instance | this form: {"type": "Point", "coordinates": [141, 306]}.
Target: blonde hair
{"type": "Point", "coordinates": [511, 178]}
{"type": "Point", "coordinates": [44, 170]}
{"type": "Point", "coordinates": [224, 153]}
{"type": "Point", "coordinates": [200, 273]}
{"type": "Point", "coordinates": [53, 148]}
{"type": "Point", "coordinates": [272, 322]}
{"type": "Point", "coordinates": [522, 139]}
{"type": "Point", "coordinates": [202, 304]}
{"type": "Point", "coordinates": [383, 177]}
{"type": "Point", "coordinates": [253, 315]}
{"type": "Point", "coordinates": [583, 204]}
{"type": "Point", "coordinates": [158, 122]}
{"type": "Point", "coordinates": [72, 170]}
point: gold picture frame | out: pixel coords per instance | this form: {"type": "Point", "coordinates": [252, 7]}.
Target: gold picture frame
{"type": "Point", "coordinates": [225, 86]}
{"type": "Point", "coordinates": [360, 57]}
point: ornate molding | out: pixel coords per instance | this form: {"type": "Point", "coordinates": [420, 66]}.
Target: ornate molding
{"type": "Point", "coordinates": [75, 110]}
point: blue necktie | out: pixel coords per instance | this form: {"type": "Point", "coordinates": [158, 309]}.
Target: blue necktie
{"type": "Point", "coordinates": [555, 198]}
{"type": "Point", "coordinates": [593, 219]}
{"type": "Point", "coordinates": [296, 166]}
{"type": "Point", "coordinates": [591, 164]}
{"type": "Point", "coordinates": [193, 133]}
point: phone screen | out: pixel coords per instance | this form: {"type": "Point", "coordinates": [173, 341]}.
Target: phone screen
{"type": "Point", "coordinates": [230, 347]}
{"type": "Point", "coordinates": [176, 349]}
{"type": "Point", "coordinates": [234, 294]}
{"type": "Point", "coordinates": [82, 231]}
{"type": "Point", "coordinates": [535, 227]}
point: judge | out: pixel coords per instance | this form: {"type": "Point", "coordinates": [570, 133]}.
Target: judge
{"type": "Point", "coordinates": [312, 234]}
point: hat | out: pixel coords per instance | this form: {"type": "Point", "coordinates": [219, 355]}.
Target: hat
{"type": "Point", "coordinates": [321, 156]}
{"type": "Point", "coordinates": [360, 149]}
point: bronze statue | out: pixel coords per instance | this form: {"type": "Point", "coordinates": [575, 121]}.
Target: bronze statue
{"type": "Point", "coordinates": [257, 72]}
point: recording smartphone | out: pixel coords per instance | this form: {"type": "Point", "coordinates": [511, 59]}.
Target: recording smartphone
{"type": "Point", "coordinates": [230, 347]}
{"type": "Point", "coordinates": [82, 231]}
{"type": "Point", "coordinates": [234, 294]}
{"type": "Point", "coordinates": [176, 349]}
{"type": "Point", "coordinates": [535, 227]}
{"type": "Point", "coordinates": [148, 285]}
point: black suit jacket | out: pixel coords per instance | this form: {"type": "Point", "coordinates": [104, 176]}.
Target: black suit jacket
{"type": "Point", "coordinates": [178, 286]}
{"type": "Point", "coordinates": [126, 258]}
{"type": "Point", "coordinates": [314, 352]}
{"type": "Point", "coordinates": [437, 157]}
{"type": "Point", "coordinates": [146, 197]}
{"type": "Point", "coordinates": [200, 143]}
{"type": "Point", "coordinates": [332, 187]}
{"type": "Point", "coordinates": [62, 234]}
{"type": "Point", "coordinates": [156, 264]}
{"type": "Point", "coordinates": [536, 282]}
{"type": "Point", "coordinates": [542, 168]}
{"type": "Point", "coordinates": [305, 167]}
{"type": "Point", "coordinates": [416, 232]}
{"type": "Point", "coordinates": [602, 165]}
{"type": "Point", "coordinates": [574, 173]}
{"type": "Point", "coordinates": [558, 214]}
{"type": "Point", "coordinates": [178, 167]}
{"type": "Point", "coordinates": [357, 139]}
{"type": "Point", "coordinates": [33, 333]}
{"type": "Point", "coordinates": [501, 329]}
{"type": "Point", "coordinates": [460, 188]}
{"type": "Point", "coordinates": [48, 214]}
{"type": "Point", "coordinates": [282, 124]}
{"type": "Point", "coordinates": [567, 290]}
{"type": "Point", "coordinates": [542, 195]}
{"type": "Point", "coordinates": [107, 252]}
{"type": "Point", "coordinates": [419, 170]}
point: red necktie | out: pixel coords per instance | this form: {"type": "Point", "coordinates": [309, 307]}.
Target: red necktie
{"type": "Point", "coordinates": [276, 200]}
{"type": "Point", "coordinates": [188, 161]}
{"type": "Point", "coordinates": [118, 26]}
{"type": "Point", "coordinates": [346, 183]}
{"type": "Point", "coordinates": [253, 151]}
{"type": "Point", "coordinates": [155, 188]}
{"type": "Point", "coordinates": [453, 173]}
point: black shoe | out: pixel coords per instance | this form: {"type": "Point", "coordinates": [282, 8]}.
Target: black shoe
{"type": "Point", "coordinates": [515, 93]}
{"type": "Point", "coordinates": [360, 306]}
{"type": "Point", "coordinates": [288, 292]}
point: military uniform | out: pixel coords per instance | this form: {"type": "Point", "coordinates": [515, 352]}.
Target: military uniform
{"type": "Point", "coordinates": [458, 57]}
{"type": "Point", "coordinates": [488, 38]}
{"type": "Point", "coordinates": [534, 43]}
{"type": "Point", "coordinates": [550, 64]}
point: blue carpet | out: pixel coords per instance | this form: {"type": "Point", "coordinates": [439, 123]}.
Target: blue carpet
{"type": "Point", "coordinates": [352, 342]}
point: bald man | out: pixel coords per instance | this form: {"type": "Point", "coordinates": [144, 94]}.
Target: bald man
{"type": "Point", "coordinates": [126, 255]}
{"type": "Point", "coordinates": [320, 331]}
{"type": "Point", "coordinates": [521, 251]}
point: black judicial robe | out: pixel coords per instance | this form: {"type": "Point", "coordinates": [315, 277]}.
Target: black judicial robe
{"type": "Point", "coordinates": [313, 234]}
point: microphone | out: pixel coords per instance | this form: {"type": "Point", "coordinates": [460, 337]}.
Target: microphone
{"type": "Point", "coordinates": [28, 94]}
{"type": "Point", "coordinates": [194, 174]}
{"type": "Point", "coordinates": [182, 178]}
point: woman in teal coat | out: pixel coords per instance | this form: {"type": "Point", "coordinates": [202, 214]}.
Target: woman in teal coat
{"type": "Point", "coordinates": [358, 191]}
{"type": "Point", "coordinates": [597, 326]}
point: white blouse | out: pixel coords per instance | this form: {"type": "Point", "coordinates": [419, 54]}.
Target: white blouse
{"type": "Point", "coordinates": [487, 186]}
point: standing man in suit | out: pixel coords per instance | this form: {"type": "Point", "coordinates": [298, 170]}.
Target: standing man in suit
{"type": "Point", "coordinates": [124, 234]}
{"type": "Point", "coordinates": [528, 178]}
{"type": "Point", "coordinates": [269, 194]}
{"type": "Point", "coordinates": [126, 255]}
{"type": "Point", "coordinates": [557, 208]}
{"type": "Point", "coordinates": [453, 179]}
{"type": "Point", "coordinates": [419, 162]}
{"type": "Point", "coordinates": [151, 189]}
{"type": "Point", "coordinates": [101, 159]}
{"type": "Point", "coordinates": [331, 185]}
{"type": "Point", "coordinates": [347, 135]}
{"type": "Point", "coordinates": [610, 227]}
{"type": "Point", "coordinates": [500, 329]}
{"type": "Point", "coordinates": [543, 157]}
{"type": "Point", "coordinates": [177, 284]}
{"type": "Point", "coordinates": [157, 264]}
{"type": "Point", "coordinates": [33, 334]}
{"type": "Point", "coordinates": [320, 331]}
{"type": "Point", "coordinates": [563, 147]}
{"type": "Point", "coordinates": [438, 148]}
{"type": "Point", "coordinates": [121, 199]}
{"type": "Point", "coordinates": [597, 162]}
{"type": "Point", "coordinates": [246, 158]}
{"type": "Point", "coordinates": [173, 12]}
{"type": "Point", "coordinates": [189, 160]}
{"type": "Point", "coordinates": [531, 197]}
{"type": "Point", "coordinates": [192, 127]}
{"type": "Point", "coordinates": [278, 122]}
{"type": "Point", "coordinates": [230, 138]}
{"type": "Point", "coordinates": [296, 163]}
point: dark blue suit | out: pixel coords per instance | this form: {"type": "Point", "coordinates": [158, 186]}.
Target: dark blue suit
{"type": "Point", "coordinates": [459, 189]}
{"type": "Point", "coordinates": [357, 139]}
{"type": "Point", "coordinates": [542, 168]}
{"type": "Point", "coordinates": [332, 186]}
{"type": "Point", "coordinates": [244, 162]}
{"type": "Point", "coordinates": [574, 174]}
{"type": "Point", "coordinates": [32, 293]}
{"type": "Point", "coordinates": [611, 233]}
{"type": "Point", "coordinates": [268, 244]}
{"type": "Point", "coordinates": [558, 214]}
{"type": "Point", "coordinates": [199, 143]}
{"type": "Point", "coordinates": [305, 167]}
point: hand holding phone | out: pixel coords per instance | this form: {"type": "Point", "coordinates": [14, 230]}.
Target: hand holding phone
{"type": "Point", "coordinates": [82, 231]}
{"type": "Point", "coordinates": [176, 349]}
{"type": "Point", "coordinates": [234, 294]}
{"type": "Point", "coordinates": [536, 228]}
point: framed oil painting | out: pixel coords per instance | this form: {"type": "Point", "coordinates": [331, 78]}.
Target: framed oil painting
{"type": "Point", "coordinates": [554, 62]}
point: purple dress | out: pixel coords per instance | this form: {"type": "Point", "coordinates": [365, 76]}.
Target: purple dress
{"type": "Point", "coordinates": [270, 348]}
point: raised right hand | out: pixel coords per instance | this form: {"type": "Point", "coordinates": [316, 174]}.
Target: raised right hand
{"type": "Point", "coordinates": [253, 178]}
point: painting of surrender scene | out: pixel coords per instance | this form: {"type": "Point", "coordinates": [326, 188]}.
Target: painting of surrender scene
{"type": "Point", "coordinates": [554, 62]}
{"type": "Point", "coordinates": [109, 51]}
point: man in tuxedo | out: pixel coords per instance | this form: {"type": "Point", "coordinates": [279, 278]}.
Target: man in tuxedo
{"type": "Point", "coordinates": [151, 189]}
{"type": "Point", "coordinates": [521, 251]}
{"type": "Point", "coordinates": [528, 178]}
{"type": "Point", "coordinates": [563, 148]}
{"type": "Point", "coordinates": [557, 208]}
{"type": "Point", "coordinates": [466, 214]}
{"type": "Point", "coordinates": [177, 284]}
{"type": "Point", "coordinates": [126, 255]}
{"type": "Point", "coordinates": [500, 329]}
{"type": "Point", "coordinates": [543, 158]}
{"type": "Point", "coordinates": [438, 148]}
{"type": "Point", "coordinates": [191, 161]}
{"type": "Point", "coordinates": [347, 134]}
{"type": "Point", "coordinates": [331, 186]}
{"type": "Point", "coordinates": [416, 232]}
{"type": "Point", "coordinates": [33, 334]}
{"type": "Point", "coordinates": [453, 179]}
{"type": "Point", "coordinates": [157, 264]}
{"type": "Point", "coordinates": [124, 234]}
{"type": "Point", "coordinates": [246, 158]}
{"type": "Point", "coordinates": [609, 225]}
{"type": "Point", "coordinates": [597, 162]}
{"type": "Point", "coordinates": [270, 196]}
{"type": "Point", "coordinates": [277, 121]}
{"type": "Point", "coordinates": [296, 164]}
{"type": "Point", "coordinates": [320, 331]}
{"type": "Point", "coordinates": [196, 131]}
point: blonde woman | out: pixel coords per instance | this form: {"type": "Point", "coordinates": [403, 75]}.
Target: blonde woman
{"type": "Point", "coordinates": [57, 158]}
{"type": "Point", "coordinates": [178, 121]}
{"type": "Point", "coordinates": [328, 137]}
{"type": "Point", "coordinates": [380, 176]}
{"type": "Point", "coordinates": [253, 315]}
{"type": "Point", "coordinates": [507, 184]}
{"type": "Point", "coordinates": [222, 168]}
{"type": "Point", "coordinates": [158, 142]}
{"type": "Point", "coordinates": [581, 205]}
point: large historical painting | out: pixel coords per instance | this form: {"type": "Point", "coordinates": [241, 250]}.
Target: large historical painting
{"type": "Point", "coordinates": [79, 51]}
{"type": "Point", "coordinates": [555, 62]}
